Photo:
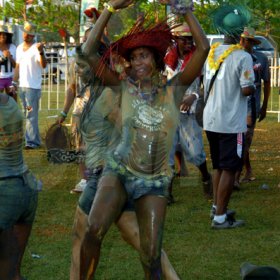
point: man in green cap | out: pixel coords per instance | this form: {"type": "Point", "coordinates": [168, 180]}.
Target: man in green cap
{"type": "Point", "coordinates": [224, 118]}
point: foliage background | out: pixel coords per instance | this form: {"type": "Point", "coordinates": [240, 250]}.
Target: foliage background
{"type": "Point", "coordinates": [54, 15]}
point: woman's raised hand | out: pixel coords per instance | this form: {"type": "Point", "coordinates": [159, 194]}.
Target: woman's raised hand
{"type": "Point", "coordinates": [120, 4]}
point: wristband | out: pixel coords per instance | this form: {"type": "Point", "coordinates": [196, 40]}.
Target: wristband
{"type": "Point", "coordinates": [109, 7]}
{"type": "Point", "coordinates": [196, 94]}
{"type": "Point", "coordinates": [63, 114]}
{"type": "Point", "coordinates": [14, 83]}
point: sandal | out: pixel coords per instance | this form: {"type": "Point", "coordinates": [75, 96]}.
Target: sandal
{"type": "Point", "coordinates": [247, 179]}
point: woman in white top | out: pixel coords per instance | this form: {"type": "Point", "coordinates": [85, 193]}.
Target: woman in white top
{"type": "Point", "coordinates": [7, 59]}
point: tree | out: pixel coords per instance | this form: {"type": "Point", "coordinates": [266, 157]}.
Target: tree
{"type": "Point", "coordinates": [53, 16]}
{"type": "Point", "coordinates": [124, 19]}
{"type": "Point", "coordinates": [48, 15]}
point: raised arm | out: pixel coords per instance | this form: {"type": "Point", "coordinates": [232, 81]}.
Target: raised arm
{"type": "Point", "coordinates": [195, 65]}
{"type": "Point", "coordinates": [90, 47]}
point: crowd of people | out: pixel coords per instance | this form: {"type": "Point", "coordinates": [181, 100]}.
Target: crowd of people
{"type": "Point", "coordinates": [135, 102]}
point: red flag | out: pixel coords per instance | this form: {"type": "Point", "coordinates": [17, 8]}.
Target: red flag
{"type": "Point", "coordinates": [62, 33]}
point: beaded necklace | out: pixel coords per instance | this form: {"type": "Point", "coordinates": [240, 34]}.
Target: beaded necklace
{"type": "Point", "coordinates": [136, 90]}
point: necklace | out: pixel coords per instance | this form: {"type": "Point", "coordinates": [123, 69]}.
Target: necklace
{"type": "Point", "coordinates": [135, 89]}
{"type": "Point", "coordinates": [147, 96]}
{"type": "Point", "coordinates": [214, 65]}
{"type": "Point", "coordinates": [149, 93]}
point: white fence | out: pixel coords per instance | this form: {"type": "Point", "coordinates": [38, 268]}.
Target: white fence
{"type": "Point", "coordinates": [55, 85]}
{"type": "Point", "coordinates": [275, 84]}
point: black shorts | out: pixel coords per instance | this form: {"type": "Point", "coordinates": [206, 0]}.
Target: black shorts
{"type": "Point", "coordinates": [226, 150]}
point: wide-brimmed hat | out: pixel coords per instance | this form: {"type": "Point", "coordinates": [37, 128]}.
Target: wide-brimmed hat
{"type": "Point", "coordinates": [157, 36]}
{"type": "Point", "coordinates": [231, 19]}
{"type": "Point", "coordinates": [57, 137]}
{"type": "Point", "coordinates": [249, 33]}
{"type": "Point", "coordinates": [182, 30]}
{"type": "Point", "coordinates": [29, 28]}
{"type": "Point", "coordinates": [59, 147]}
{"type": "Point", "coordinates": [250, 271]}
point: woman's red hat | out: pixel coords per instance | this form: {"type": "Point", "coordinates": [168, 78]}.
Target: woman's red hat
{"type": "Point", "coordinates": [157, 36]}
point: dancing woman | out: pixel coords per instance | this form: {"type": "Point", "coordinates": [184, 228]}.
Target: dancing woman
{"type": "Point", "coordinates": [138, 166]}
{"type": "Point", "coordinates": [97, 128]}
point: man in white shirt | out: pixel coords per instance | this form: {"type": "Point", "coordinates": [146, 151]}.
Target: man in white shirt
{"type": "Point", "coordinates": [224, 116]}
{"type": "Point", "coordinates": [30, 61]}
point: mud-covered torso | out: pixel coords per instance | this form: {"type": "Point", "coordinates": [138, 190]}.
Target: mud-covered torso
{"type": "Point", "coordinates": [11, 140]}
{"type": "Point", "coordinates": [99, 133]}
{"type": "Point", "coordinates": [148, 127]}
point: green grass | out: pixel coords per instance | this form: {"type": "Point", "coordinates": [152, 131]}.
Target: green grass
{"type": "Point", "coordinates": [196, 251]}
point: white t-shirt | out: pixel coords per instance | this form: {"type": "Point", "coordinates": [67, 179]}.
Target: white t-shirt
{"type": "Point", "coordinates": [6, 68]}
{"type": "Point", "coordinates": [30, 70]}
{"type": "Point", "coordinates": [226, 108]}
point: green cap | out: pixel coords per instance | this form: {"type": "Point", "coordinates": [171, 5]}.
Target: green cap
{"type": "Point", "coordinates": [231, 19]}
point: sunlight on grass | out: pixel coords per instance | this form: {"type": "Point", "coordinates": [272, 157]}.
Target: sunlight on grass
{"type": "Point", "coordinates": [196, 251]}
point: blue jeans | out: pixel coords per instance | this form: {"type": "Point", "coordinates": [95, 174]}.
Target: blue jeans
{"type": "Point", "coordinates": [30, 101]}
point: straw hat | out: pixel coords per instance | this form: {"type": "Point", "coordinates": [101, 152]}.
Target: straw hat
{"type": "Point", "coordinates": [57, 137]}
{"type": "Point", "coordinates": [156, 36]}
{"type": "Point", "coordinates": [29, 28]}
{"type": "Point", "coordinates": [249, 33]}
{"type": "Point", "coordinates": [182, 30]}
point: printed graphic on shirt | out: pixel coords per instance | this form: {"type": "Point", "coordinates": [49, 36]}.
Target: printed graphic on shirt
{"type": "Point", "coordinates": [8, 138]}
{"type": "Point", "coordinates": [247, 74]}
{"type": "Point", "coordinates": [148, 117]}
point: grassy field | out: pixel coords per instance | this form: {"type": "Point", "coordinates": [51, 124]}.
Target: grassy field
{"type": "Point", "coordinates": [196, 251]}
